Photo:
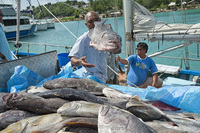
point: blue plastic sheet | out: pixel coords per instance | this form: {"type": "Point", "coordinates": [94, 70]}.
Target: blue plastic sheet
{"type": "Point", "coordinates": [132, 91]}
{"type": "Point", "coordinates": [24, 78]}
{"type": "Point", "coordinates": [184, 97]}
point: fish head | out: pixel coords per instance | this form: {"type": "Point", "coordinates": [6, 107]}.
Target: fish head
{"type": "Point", "coordinates": [8, 98]}
{"type": "Point", "coordinates": [103, 38]}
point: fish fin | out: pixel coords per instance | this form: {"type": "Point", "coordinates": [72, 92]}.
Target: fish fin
{"type": "Point", "coordinates": [100, 22]}
{"type": "Point", "coordinates": [137, 97]}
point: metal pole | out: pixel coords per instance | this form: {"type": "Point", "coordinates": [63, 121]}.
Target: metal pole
{"type": "Point", "coordinates": [128, 26]}
{"type": "Point", "coordinates": [17, 44]}
{"type": "Point", "coordinates": [18, 21]}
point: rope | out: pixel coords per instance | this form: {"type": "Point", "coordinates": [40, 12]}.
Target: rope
{"type": "Point", "coordinates": [121, 76]}
{"type": "Point", "coordinates": [60, 22]}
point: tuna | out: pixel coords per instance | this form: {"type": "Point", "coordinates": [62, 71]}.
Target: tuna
{"type": "Point", "coordinates": [103, 38]}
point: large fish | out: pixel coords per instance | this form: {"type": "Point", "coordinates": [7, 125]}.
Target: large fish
{"type": "Point", "coordinates": [103, 38]}
{"type": "Point", "coordinates": [115, 94]}
{"type": "Point", "coordinates": [146, 111]}
{"type": "Point", "coordinates": [80, 108]}
{"type": "Point", "coordinates": [114, 120]}
{"type": "Point", "coordinates": [71, 94]}
{"type": "Point", "coordinates": [143, 110]}
{"type": "Point", "coordinates": [73, 125]}
{"type": "Point", "coordinates": [30, 102]}
{"type": "Point", "coordinates": [31, 124]}
{"type": "Point", "coordinates": [81, 84]}
{"type": "Point", "coordinates": [12, 116]}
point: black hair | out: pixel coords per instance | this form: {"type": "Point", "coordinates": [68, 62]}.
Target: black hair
{"type": "Point", "coordinates": [143, 45]}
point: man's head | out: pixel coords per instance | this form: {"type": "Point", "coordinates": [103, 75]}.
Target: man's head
{"type": "Point", "coordinates": [142, 46]}
{"type": "Point", "coordinates": [1, 17]}
{"type": "Point", "coordinates": [90, 18]}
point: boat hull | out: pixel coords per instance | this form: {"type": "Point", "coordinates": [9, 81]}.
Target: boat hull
{"type": "Point", "coordinates": [25, 32]}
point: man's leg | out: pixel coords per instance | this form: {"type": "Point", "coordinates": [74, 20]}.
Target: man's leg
{"type": "Point", "coordinates": [149, 82]}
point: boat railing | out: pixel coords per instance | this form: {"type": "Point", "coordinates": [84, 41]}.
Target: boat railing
{"type": "Point", "coordinates": [66, 48]}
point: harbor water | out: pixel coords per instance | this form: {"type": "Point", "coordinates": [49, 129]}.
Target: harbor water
{"type": "Point", "coordinates": [61, 36]}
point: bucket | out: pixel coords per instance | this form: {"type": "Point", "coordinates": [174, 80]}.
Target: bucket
{"type": "Point", "coordinates": [63, 59]}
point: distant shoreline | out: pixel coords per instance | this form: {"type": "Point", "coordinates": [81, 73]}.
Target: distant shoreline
{"type": "Point", "coordinates": [104, 15]}
{"type": "Point", "coordinates": [178, 9]}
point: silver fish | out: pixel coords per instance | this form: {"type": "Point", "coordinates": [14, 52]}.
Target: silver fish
{"type": "Point", "coordinates": [103, 38]}
{"type": "Point", "coordinates": [114, 120]}
{"type": "Point", "coordinates": [115, 94]}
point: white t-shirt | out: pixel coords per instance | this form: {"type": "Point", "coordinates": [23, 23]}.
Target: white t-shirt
{"type": "Point", "coordinates": [82, 48]}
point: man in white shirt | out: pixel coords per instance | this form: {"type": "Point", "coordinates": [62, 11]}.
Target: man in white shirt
{"type": "Point", "coordinates": [93, 61]}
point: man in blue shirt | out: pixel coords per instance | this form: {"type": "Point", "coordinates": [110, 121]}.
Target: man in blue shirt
{"type": "Point", "coordinates": [140, 64]}
{"type": "Point", "coordinates": [5, 53]}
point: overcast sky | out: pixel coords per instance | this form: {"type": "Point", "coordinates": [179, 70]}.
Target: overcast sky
{"type": "Point", "coordinates": [24, 3]}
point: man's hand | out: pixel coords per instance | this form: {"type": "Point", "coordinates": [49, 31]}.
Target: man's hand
{"type": "Point", "coordinates": [118, 59]}
{"type": "Point", "coordinates": [117, 52]}
{"type": "Point", "coordinates": [84, 63]}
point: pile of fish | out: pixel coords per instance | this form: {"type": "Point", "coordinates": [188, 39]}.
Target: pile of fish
{"type": "Point", "coordinates": [85, 106]}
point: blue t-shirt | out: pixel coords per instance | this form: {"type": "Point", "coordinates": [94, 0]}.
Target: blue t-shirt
{"type": "Point", "coordinates": [139, 69]}
{"type": "Point", "coordinates": [4, 46]}
{"type": "Point", "coordinates": [82, 48]}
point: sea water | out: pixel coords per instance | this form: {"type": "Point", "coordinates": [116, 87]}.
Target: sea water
{"type": "Point", "coordinates": [61, 36]}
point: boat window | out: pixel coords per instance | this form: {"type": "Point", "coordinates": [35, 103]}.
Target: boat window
{"type": "Point", "coordinates": [11, 22]}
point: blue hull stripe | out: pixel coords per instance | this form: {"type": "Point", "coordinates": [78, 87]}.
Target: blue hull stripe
{"type": "Point", "coordinates": [11, 35]}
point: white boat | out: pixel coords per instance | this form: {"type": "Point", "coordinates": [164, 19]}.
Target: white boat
{"type": "Point", "coordinates": [50, 24]}
{"type": "Point", "coordinates": [41, 25]}
{"type": "Point", "coordinates": [10, 22]}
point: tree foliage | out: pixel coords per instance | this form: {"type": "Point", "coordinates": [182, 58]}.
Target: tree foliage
{"type": "Point", "coordinates": [66, 8]}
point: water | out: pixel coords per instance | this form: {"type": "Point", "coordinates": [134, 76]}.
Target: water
{"type": "Point", "coordinates": [60, 36]}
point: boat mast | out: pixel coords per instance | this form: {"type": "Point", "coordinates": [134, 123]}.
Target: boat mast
{"type": "Point", "coordinates": [128, 26]}
{"type": "Point", "coordinates": [18, 21]}
{"type": "Point", "coordinates": [17, 44]}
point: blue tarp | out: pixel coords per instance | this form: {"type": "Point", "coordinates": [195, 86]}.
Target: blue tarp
{"type": "Point", "coordinates": [24, 77]}
{"type": "Point", "coordinates": [184, 97]}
